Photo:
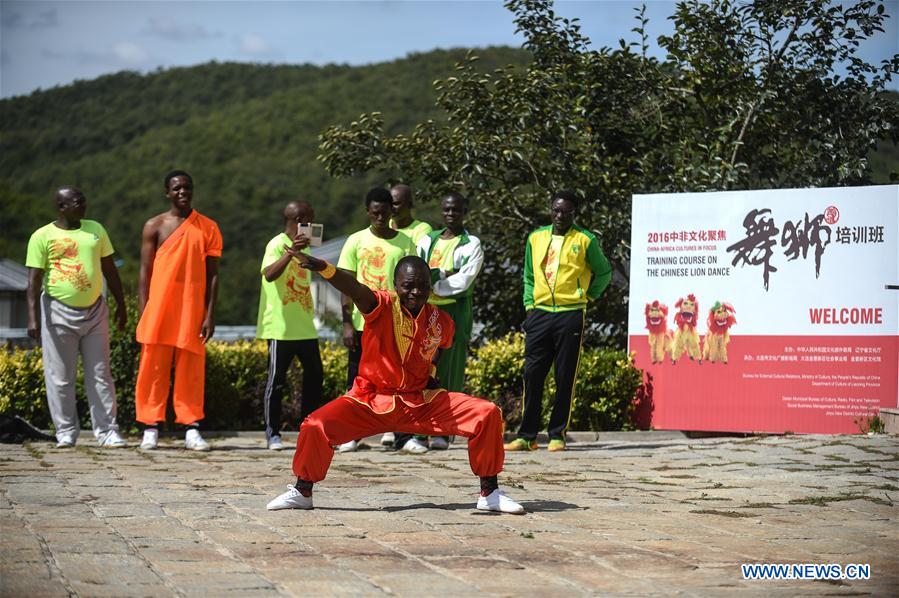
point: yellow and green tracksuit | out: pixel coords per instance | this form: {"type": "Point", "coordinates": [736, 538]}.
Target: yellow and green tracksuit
{"type": "Point", "coordinates": [554, 323]}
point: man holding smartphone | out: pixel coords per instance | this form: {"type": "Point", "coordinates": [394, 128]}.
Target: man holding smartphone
{"type": "Point", "coordinates": [285, 320]}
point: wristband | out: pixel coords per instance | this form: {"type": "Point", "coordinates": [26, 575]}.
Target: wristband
{"type": "Point", "coordinates": [329, 271]}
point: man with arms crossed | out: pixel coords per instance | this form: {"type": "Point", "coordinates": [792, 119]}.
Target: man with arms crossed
{"type": "Point", "coordinates": [396, 389]}
{"type": "Point", "coordinates": [69, 258]}
{"type": "Point", "coordinates": [179, 257]}
{"type": "Point", "coordinates": [286, 321]}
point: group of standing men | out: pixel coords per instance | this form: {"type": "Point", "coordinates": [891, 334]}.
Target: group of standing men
{"type": "Point", "coordinates": [68, 260]}
{"type": "Point", "coordinates": [371, 255]}
{"type": "Point", "coordinates": [407, 316]}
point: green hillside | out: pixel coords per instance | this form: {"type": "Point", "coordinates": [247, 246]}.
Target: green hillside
{"type": "Point", "coordinates": [247, 133]}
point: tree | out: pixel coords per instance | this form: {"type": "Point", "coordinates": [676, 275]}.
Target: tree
{"type": "Point", "coordinates": [747, 97]}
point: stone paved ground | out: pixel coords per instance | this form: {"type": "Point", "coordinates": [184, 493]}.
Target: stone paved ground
{"type": "Point", "coordinates": [654, 514]}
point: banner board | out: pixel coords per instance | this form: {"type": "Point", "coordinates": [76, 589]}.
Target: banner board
{"type": "Point", "coordinates": [767, 311]}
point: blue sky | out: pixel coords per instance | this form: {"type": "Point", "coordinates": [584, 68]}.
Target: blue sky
{"type": "Point", "coordinates": [45, 44]}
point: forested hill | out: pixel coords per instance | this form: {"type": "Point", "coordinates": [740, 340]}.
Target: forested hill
{"type": "Point", "coordinates": [247, 133]}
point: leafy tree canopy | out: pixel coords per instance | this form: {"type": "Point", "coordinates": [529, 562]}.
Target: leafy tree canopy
{"type": "Point", "coordinates": [748, 97]}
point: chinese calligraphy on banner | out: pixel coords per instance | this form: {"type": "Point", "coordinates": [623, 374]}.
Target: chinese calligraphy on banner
{"type": "Point", "coordinates": [766, 311]}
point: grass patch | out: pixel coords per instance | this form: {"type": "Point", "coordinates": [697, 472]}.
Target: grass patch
{"type": "Point", "coordinates": [868, 449]}
{"type": "Point", "coordinates": [513, 482]}
{"type": "Point", "coordinates": [681, 476]}
{"type": "Point", "coordinates": [439, 465]}
{"type": "Point", "coordinates": [824, 501]}
{"type": "Point", "coordinates": [527, 535]}
{"type": "Point", "coordinates": [733, 514]}
{"type": "Point", "coordinates": [34, 451]}
{"type": "Point", "coordinates": [836, 443]}
{"type": "Point", "coordinates": [645, 480]}
{"type": "Point", "coordinates": [758, 505]}
{"type": "Point", "coordinates": [751, 440]}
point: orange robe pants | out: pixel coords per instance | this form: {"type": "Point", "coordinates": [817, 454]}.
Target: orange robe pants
{"type": "Point", "coordinates": [169, 328]}
{"type": "Point", "coordinates": [153, 383]}
{"type": "Point", "coordinates": [447, 414]}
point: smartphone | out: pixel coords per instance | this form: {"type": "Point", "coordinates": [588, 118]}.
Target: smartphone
{"type": "Point", "coordinates": [312, 231]}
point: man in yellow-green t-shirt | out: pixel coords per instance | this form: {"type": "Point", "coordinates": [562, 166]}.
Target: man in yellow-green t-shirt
{"type": "Point", "coordinates": [402, 220]}
{"type": "Point", "coordinates": [67, 261]}
{"type": "Point", "coordinates": [286, 321]}
{"type": "Point", "coordinates": [370, 255]}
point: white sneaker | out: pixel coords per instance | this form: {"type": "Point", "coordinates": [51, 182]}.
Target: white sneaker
{"type": "Point", "coordinates": [275, 444]}
{"type": "Point", "coordinates": [439, 443]}
{"type": "Point", "coordinates": [150, 440]}
{"type": "Point", "coordinates": [348, 447]}
{"type": "Point", "coordinates": [498, 501]}
{"type": "Point", "coordinates": [65, 441]}
{"type": "Point", "coordinates": [414, 446]}
{"type": "Point", "coordinates": [194, 442]}
{"type": "Point", "coordinates": [292, 499]}
{"type": "Point", "coordinates": [387, 439]}
{"type": "Point", "coordinates": [111, 439]}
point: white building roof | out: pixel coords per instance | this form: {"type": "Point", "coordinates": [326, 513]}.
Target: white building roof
{"type": "Point", "coordinates": [14, 276]}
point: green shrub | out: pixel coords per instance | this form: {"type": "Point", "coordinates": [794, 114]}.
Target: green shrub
{"type": "Point", "coordinates": [22, 386]}
{"type": "Point", "coordinates": [494, 372]}
{"type": "Point", "coordinates": [236, 375]}
{"type": "Point", "coordinates": [606, 386]}
{"type": "Point", "coordinates": [334, 362]}
{"type": "Point", "coordinates": [235, 383]}
{"type": "Point", "coordinates": [124, 356]}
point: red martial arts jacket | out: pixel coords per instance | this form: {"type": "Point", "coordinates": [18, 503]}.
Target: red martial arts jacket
{"type": "Point", "coordinates": [397, 350]}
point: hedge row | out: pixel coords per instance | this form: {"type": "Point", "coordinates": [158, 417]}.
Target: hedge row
{"type": "Point", "coordinates": [236, 375]}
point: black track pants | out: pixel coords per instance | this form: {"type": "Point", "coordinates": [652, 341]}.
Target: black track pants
{"type": "Point", "coordinates": [280, 356]}
{"type": "Point", "coordinates": [551, 339]}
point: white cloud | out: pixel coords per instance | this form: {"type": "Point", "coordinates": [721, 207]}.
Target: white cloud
{"type": "Point", "coordinates": [129, 53]}
{"type": "Point", "coordinates": [172, 30]}
{"type": "Point", "coordinates": [255, 45]}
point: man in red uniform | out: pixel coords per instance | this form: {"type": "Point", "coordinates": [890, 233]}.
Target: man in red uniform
{"type": "Point", "coordinates": [396, 388]}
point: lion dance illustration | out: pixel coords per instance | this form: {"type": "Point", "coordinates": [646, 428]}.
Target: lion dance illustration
{"type": "Point", "coordinates": [721, 318]}
{"type": "Point", "coordinates": [686, 338]}
{"type": "Point", "coordinates": [657, 324]}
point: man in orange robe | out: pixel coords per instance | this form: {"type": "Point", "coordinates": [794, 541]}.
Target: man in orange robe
{"type": "Point", "coordinates": [396, 388]}
{"type": "Point", "coordinates": [178, 288]}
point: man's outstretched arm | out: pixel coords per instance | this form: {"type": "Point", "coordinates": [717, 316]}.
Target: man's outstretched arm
{"type": "Point", "coordinates": [361, 295]}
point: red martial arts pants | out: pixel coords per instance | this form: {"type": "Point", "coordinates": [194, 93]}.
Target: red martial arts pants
{"type": "Point", "coordinates": [449, 414]}
{"type": "Point", "coordinates": [153, 383]}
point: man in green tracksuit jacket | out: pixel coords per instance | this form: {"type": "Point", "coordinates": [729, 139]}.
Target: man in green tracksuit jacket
{"type": "Point", "coordinates": [564, 267]}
